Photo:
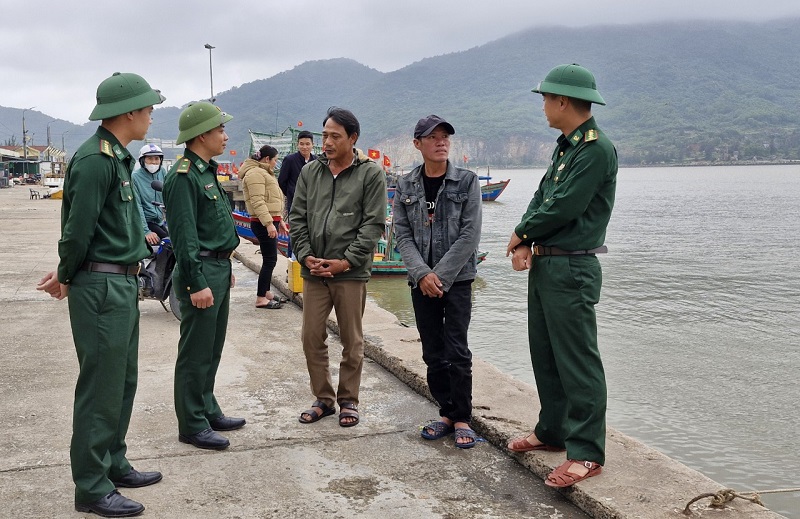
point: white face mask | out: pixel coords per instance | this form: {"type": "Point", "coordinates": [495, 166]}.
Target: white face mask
{"type": "Point", "coordinates": [152, 168]}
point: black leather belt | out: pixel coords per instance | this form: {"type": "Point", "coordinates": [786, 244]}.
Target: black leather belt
{"type": "Point", "coordinates": [216, 254]}
{"type": "Point", "coordinates": [111, 268]}
{"type": "Point", "coordinates": [541, 250]}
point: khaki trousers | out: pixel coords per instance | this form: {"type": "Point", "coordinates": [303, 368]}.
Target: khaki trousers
{"type": "Point", "coordinates": [348, 298]}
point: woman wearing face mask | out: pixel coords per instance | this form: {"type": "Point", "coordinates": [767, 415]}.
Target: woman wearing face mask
{"type": "Point", "coordinates": [150, 168]}
{"type": "Point", "coordinates": [264, 200]}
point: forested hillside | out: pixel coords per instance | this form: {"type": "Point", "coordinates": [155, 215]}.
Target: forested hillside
{"type": "Point", "coordinates": [676, 93]}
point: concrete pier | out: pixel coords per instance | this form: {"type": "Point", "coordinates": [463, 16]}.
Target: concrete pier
{"type": "Point", "coordinates": [277, 467]}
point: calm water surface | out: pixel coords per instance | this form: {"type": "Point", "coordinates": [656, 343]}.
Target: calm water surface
{"type": "Point", "coordinates": [698, 322]}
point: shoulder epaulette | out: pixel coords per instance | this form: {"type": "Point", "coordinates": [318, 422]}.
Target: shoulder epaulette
{"type": "Point", "coordinates": [183, 166]}
{"type": "Point", "coordinates": [105, 148]}
{"type": "Point", "coordinates": [591, 135]}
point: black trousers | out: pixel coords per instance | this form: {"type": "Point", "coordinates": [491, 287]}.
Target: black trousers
{"type": "Point", "coordinates": [443, 324]}
{"type": "Point", "coordinates": [269, 256]}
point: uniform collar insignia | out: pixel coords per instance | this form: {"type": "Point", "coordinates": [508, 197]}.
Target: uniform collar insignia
{"type": "Point", "coordinates": [118, 151]}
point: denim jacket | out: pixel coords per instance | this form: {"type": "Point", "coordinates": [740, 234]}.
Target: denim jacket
{"type": "Point", "coordinates": [456, 226]}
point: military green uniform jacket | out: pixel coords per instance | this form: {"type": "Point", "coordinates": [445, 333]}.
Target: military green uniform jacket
{"type": "Point", "coordinates": [572, 206]}
{"type": "Point", "coordinates": [198, 216]}
{"type": "Point", "coordinates": [100, 212]}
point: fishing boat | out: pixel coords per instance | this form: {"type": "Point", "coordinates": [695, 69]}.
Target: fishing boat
{"type": "Point", "coordinates": [491, 190]}
{"type": "Point", "coordinates": [386, 260]}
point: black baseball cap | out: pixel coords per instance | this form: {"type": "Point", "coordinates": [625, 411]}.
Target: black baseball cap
{"type": "Point", "coordinates": [426, 125]}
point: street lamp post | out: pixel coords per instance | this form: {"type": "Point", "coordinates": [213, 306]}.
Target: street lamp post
{"type": "Point", "coordinates": [48, 130]}
{"type": "Point", "coordinates": [210, 71]}
{"type": "Point", "coordinates": [63, 149]}
{"type": "Point", "coordinates": [25, 141]}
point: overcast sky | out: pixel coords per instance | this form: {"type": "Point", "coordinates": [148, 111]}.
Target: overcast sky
{"type": "Point", "coordinates": [55, 53]}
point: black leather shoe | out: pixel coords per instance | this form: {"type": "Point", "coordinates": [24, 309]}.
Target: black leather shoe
{"type": "Point", "coordinates": [112, 505]}
{"type": "Point", "coordinates": [224, 423]}
{"type": "Point", "coordinates": [205, 439]}
{"type": "Point", "coordinates": [136, 479]}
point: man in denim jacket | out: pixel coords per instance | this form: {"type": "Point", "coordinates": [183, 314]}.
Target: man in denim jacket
{"type": "Point", "coordinates": [437, 221]}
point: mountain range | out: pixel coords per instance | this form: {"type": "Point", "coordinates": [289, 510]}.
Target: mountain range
{"type": "Point", "coordinates": [677, 93]}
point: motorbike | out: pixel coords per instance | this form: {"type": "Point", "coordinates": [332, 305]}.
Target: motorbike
{"type": "Point", "coordinates": [155, 274]}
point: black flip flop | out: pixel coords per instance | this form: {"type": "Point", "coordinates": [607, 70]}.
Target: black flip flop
{"type": "Point", "coordinates": [271, 305]}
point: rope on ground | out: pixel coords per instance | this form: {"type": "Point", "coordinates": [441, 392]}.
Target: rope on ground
{"type": "Point", "coordinates": [726, 495]}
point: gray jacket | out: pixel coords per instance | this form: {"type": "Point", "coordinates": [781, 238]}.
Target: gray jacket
{"type": "Point", "coordinates": [456, 226]}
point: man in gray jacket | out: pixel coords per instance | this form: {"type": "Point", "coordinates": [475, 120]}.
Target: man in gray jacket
{"type": "Point", "coordinates": [437, 221]}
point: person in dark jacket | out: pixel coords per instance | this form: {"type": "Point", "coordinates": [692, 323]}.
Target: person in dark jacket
{"type": "Point", "coordinates": [437, 222]}
{"type": "Point", "coordinates": [293, 163]}
{"type": "Point", "coordinates": [290, 171]}
{"type": "Point", "coordinates": [337, 218]}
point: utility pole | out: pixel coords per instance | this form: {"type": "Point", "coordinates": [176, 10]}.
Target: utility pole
{"type": "Point", "coordinates": [49, 142]}
{"type": "Point", "coordinates": [25, 141]}
{"type": "Point", "coordinates": [210, 71]}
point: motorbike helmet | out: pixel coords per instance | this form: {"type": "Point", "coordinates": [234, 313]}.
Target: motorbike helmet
{"type": "Point", "coordinates": [150, 150]}
{"type": "Point", "coordinates": [571, 81]}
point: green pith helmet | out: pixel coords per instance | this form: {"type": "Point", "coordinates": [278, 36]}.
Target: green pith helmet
{"type": "Point", "coordinates": [571, 81]}
{"type": "Point", "coordinates": [124, 92]}
{"type": "Point", "coordinates": [199, 118]}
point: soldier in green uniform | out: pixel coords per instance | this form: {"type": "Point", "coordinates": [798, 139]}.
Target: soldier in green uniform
{"type": "Point", "coordinates": [100, 248]}
{"type": "Point", "coordinates": [203, 235]}
{"type": "Point", "coordinates": [558, 239]}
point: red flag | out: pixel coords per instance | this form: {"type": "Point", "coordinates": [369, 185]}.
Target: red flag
{"type": "Point", "coordinates": [466, 159]}
{"type": "Point", "coordinates": [233, 152]}
{"type": "Point", "coordinates": [299, 123]}
{"type": "Point", "coordinates": [386, 162]}
{"type": "Point", "coordinates": [373, 154]}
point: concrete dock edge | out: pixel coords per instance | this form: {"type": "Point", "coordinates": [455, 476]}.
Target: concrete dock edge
{"type": "Point", "coordinates": [637, 481]}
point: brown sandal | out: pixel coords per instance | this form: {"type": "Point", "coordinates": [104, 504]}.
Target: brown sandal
{"type": "Point", "coordinates": [561, 477]}
{"type": "Point", "coordinates": [522, 444]}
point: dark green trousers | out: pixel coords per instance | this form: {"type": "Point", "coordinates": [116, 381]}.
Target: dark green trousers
{"type": "Point", "coordinates": [104, 314]}
{"type": "Point", "coordinates": [200, 349]}
{"type": "Point", "coordinates": [562, 332]}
